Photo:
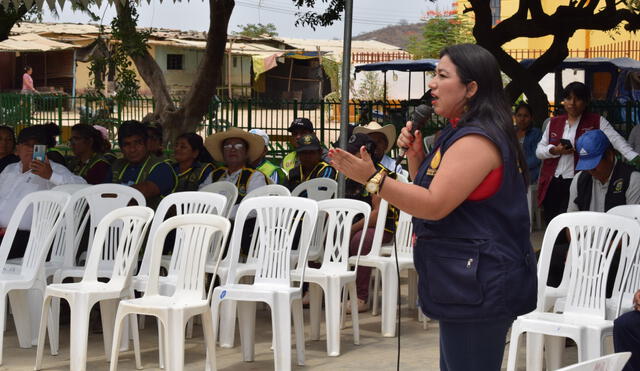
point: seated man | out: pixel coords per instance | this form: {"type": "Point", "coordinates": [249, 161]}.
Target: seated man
{"type": "Point", "coordinates": [154, 139]}
{"type": "Point", "coordinates": [273, 172]}
{"type": "Point", "coordinates": [299, 127]}
{"type": "Point", "coordinates": [26, 176]}
{"type": "Point", "coordinates": [236, 149]}
{"type": "Point", "coordinates": [384, 138]}
{"type": "Point", "coordinates": [141, 169]}
{"type": "Point", "coordinates": [310, 165]}
{"type": "Point", "coordinates": [602, 183]}
{"type": "Point", "coordinates": [626, 334]}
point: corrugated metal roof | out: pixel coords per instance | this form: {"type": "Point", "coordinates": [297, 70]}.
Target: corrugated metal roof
{"type": "Point", "coordinates": [59, 28]}
{"type": "Point", "coordinates": [32, 43]}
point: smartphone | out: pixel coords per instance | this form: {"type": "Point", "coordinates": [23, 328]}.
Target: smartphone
{"type": "Point", "coordinates": [39, 152]}
{"type": "Point", "coordinates": [566, 143]}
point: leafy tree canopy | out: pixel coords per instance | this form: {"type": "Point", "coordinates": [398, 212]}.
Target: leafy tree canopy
{"type": "Point", "coordinates": [440, 29]}
{"type": "Point", "coordinates": [257, 30]}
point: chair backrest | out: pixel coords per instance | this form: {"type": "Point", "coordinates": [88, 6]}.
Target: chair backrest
{"type": "Point", "coordinates": [102, 199]}
{"type": "Point", "coordinates": [268, 190]}
{"type": "Point", "coordinates": [339, 220]}
{"type": "Point", "coordinates": [317, 189]}
{"type": "Point", "coordinates": [611, 362]}
{"type": "Point", "coordinates": [133, 222]}
{"type": "Point", "coordinates": [627, 279]}
{"type": "Point", "coordinates": [376, 244]}
{"type": "Point", "coordinates": [227, 189]}
{"type": "Point", "coordinates": [70, 188]}
{"type": "Point", "coordinates": [199, 231]}
{"type": "Point", "coordinates": [47, 209]}
{"type": "Point", "coordinates": [182, 203]}
{"type": "Point", "coordinates": [277, 221]}
{"type": "Point", "coordinates": [594, 239]}
{"type": "Point", "coordinates": [404, 235]}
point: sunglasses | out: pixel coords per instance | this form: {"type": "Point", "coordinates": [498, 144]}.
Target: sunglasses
{"type": "Point", "coordinates": [236, 146]}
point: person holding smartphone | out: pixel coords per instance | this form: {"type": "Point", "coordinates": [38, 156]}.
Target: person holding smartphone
{"type": "Point", "coordinates": [556, 148]}
{"type": "Point", "coordinates": [34, 172]}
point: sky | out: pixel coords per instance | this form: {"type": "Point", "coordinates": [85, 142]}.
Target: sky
{"type": "Point", "coordinates": [368, 15]}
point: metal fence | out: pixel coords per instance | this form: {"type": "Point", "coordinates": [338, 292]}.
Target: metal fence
{"type": "Point", "coordinates": [274, 117]}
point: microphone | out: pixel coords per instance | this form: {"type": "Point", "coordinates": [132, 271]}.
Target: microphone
{"type": "Point", "coordinates": [419, 117]}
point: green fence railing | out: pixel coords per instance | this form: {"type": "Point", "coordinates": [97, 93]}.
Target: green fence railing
{"type": "Point", "coordinates": [20, 110]}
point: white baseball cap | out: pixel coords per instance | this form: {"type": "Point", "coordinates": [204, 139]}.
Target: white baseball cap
{"type": "Point", "coordinates": [261, 133]}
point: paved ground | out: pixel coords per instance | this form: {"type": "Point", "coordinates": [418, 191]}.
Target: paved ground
{"type": "Point", "coordinates": [419, 349]}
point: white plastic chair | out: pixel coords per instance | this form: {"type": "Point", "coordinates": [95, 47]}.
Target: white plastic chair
{"type": "Point", "coordinates": [594, 239]}
{"type": "Point", "coordinates": [277, 220]}
{"type": "Point", "coordinates": [70, 188]}
{"type": "Point", "coordinates": [92, 204]}
{"type": "Point", "coordinates": [189, 297]}
{"type": "Point", "coordinates": [317, 189]}
{"type": "Point", "coordinates": [47, 208]}
{"type": "Point", "coordinates": [335, 274]}
{"type": "Point", "coordinates": [612, 362]}
{"type": "Point", "coordinates": [132, 225]}
{"type": "Point", "coordinates": [227, 189]}
{"type": "Point", "coordinates": [182, 203]}
{"type": "Point", "coordinates": [244, 269]}
{"type": "Point", "coordinates": [386, 265]}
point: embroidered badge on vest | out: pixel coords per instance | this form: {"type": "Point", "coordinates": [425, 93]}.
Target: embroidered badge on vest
{"type": "Point", "coordinates": [435, 163]}
{"type": "Point", "coordinates": [618, 185]}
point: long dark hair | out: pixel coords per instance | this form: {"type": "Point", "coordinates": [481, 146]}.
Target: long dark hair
{"type": "Point", "coordinates": [89, 132]}
{"type": "Point", "coordinates": [488, 108]}
{"type": "Point", "coordinates": [196, 143]}
{"type": "Point", "coordinates": [9, 130]}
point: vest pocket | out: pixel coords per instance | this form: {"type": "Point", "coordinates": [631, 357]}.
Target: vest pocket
{"type": "Point", "coordinates": [452, 272]}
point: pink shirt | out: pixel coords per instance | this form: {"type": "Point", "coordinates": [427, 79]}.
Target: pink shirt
{"type": "Point", "coordinates": [27, 83]}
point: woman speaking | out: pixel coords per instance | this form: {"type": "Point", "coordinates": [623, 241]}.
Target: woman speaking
{"type": "Point", "coordinates": [472, 252]}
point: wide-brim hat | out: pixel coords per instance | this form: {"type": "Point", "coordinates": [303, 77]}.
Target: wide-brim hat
{"type": "Point", "coordinates": [213, 143]}
{"type": "Point", "coordinates": [389, 131]}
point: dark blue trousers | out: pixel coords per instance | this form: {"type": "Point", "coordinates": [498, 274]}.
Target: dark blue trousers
{"type": "Point", "coordinates": [473, 346]}
{"type": "Point", "coordinates": [626, 338]}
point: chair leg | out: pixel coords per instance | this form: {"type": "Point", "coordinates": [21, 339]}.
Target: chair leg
{"type": "Point", "coordinates": [117, 335]}
{"type": "Point", "coordinates": [332, 317]}
{"type": "Point", "coordinates": [54, 336]}
{"type": "Point", "coordinates": [315, 309]}
{"type": "Point", "coordinates": [298, 323]}
{"type": "Point", "coordinates": [343, 308]}
{"type": "Point", "coordinates": [554, 349]}
{"type": "Point", "coordinates": [189, 334]}
{"type": "Point", "coordinates": [133, 326]}
{"type": "Point", "coordinates": [174, 343]}
{"type": "Point", "coordinates": [3, 323]}
{"type": "Point", "coordinates": [20, 309]}
{"type": "Point", "coordinates": [209, 340]}
{"type": "Point", "coordinates": [227, 323]}
{"type": "Point", "coordinates": [79, 333]}
{"type": "Point", "coordinates": [42, 332]}
{"type": "Point", "coordinates": [108, 310]}
{"type": "Point", "coordinates": [355, 321]}
{"type": "Point", "coordinates": [376, 291]}
{"type": "Point", "coordinates": [161, 347]}
{"type": "Point", "coordinates": [281, 322]}
{"type": "Point", "coordinates": [389, 300]}
{"type": "Point", "coordinates": [535, 351]}
{"type": "Point", "coordinates": [247, 324]}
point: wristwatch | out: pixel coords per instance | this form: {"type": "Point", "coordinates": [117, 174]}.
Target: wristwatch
{"type": "Point", "coordinates": [373, 184]}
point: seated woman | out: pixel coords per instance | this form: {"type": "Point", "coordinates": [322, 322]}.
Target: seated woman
{"type": "Point", "coordinates": [357, 191]}
{"type": "Point", "coordinates": [29, 175]}
{"type": "Point", "coordinates": [7, 147]}
{"type": "Point", "coordinates": [88, 161]}
{"type": "Point", "coordinates": [188, 162]}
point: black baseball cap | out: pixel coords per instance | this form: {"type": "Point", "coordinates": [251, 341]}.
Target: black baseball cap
{"type": "Point", "coordinates": [301, 123]}
{"type": "Point", "coordinates": [308, 142]}
{"type": "Point", "coordinates": [350, 128]}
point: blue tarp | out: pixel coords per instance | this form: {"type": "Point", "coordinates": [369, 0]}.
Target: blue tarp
{"type": "Point", "coordinates": [582, 63]}
{"type": "Point", "coordinates": [400, 65]}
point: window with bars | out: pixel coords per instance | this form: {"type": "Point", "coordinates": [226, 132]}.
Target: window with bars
{"type": "Point", "coordinates": [174, 61]}
{"type": "Point", "coordinates": [495, 11]}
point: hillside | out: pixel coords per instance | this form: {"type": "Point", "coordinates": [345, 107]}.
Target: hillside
{"type": "Point", "coordinates": [397, 35]}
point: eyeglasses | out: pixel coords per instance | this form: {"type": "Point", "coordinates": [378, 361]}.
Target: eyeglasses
{"type": "Point", "coordinates": [236, 146]}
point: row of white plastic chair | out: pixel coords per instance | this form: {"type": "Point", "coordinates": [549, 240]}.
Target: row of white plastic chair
{"type": "Point", "coordinates": [581, 310]}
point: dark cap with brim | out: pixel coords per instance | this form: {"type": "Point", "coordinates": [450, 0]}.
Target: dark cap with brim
{"type": "Point", "coordinates": [591, 146]}
{"type": "Point", "coordinates": [301, 123]}
{"type": "Point", "coordinates": [308, 142]}
{"type": "Point", "coordinates": [357, 140]}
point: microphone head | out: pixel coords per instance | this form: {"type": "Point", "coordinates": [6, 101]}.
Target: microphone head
{"type": "Point", "coordinates": [421, 114]}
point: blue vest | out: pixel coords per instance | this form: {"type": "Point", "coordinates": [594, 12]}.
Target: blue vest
{"type": "Point", "coordinates": [477, 263]}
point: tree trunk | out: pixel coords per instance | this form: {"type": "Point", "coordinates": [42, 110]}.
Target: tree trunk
{"type": "Point", "coordinates": [195, 103]}
{"type": "Point", "coordinates": [9, 16]}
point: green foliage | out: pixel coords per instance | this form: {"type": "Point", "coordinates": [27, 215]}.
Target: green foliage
{"type": "Point", "coordinates": [257, 30]}
{"type": "Point", "coordinates": [371, 88]}
{"type": "Point", "coordinates": [438, 32]}
{"type": "Point", "coordinates": [129, 42]}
